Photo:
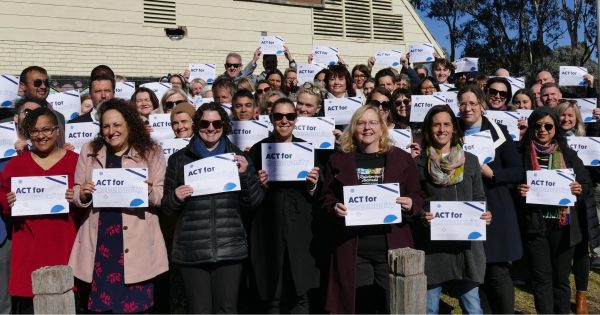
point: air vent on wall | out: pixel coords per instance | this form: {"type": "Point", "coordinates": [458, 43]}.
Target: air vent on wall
{"type": "Point", "coordinates": [360, 19]}
{"type": "Point", "coordinates": [161, 12]}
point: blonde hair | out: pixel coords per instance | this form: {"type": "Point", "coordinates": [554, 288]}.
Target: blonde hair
{"type": "Point", "coordinates": [579, 125]}
{"type": "Point", "coordinates": [348, 141]}
{"type": "Point", "coordinates": [170, 92]}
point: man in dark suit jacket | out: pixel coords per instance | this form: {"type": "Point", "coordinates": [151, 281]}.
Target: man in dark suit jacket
{"type": "Point", "coordinates": [102, 88]}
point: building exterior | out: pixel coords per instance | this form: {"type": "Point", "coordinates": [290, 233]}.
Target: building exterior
{"type": "Point", "coordinates": [70, 37]}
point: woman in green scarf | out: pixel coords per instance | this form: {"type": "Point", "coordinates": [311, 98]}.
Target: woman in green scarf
{"type": "Point", "coordinates": [447, 173]}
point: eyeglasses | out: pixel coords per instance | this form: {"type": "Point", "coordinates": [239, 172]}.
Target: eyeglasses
{"type": "Point", "coordinates": [362, 124]}
{"type": "Point", "coordinates": [261, 91]}
{"type": "Point", "coordinates": [546, 127]}
{"type": "Point", "coordinates": [493, 92]}
{"type": "Point", "coordinates": [217, 124]}
{"type": "Point", "coordinates": [311, 89]}
{"type": "Point", "coordinates": [288, 116]}
{"type": "Point", "coordinates": [47, 132]}
{"type": "Point", "coordinates": [467, 105]}
{"type": "Point", "coordinates": [428, 88]}
{"type": "Point", "coordinates": [384, 105]}
{"type": "Point", "coordinates": [37, 83]}
{"type": "Point", "coordinates": [360, 76]}
{"type": "Point", "coordinates": [169, 105]}
{"type": "Point", "coordinates": [405, 102]}
{"type": "Point", "coordinates": [234, 65]}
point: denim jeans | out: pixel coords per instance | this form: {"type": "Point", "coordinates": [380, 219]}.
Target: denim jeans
{"type": "Point", "coordinates": [467, 291]}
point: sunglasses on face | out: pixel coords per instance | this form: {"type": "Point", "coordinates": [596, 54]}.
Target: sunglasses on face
{"type": "Point", "coordinates": [37, 83]}
{"type": "Point", "coordinates": [27, 111]}
{"type": "Point", "coordinates": [217, 124]}
{"type": "Point", "coordinates": [234, 65]}
{"type": "Point", "coordinates": [405, 102]}
{"type": "Point", "coordinates": [546, 127]}
{"type": "Point", "coordinates": [169, 105]}
{"type": "Point", "coordinates": [288, 116]}
{"type": "Point", "coordinates": [502, 94]}
{"type": "Point", "coordinates": [261, 91]}
{"type": "Point", "coordinates": [384, 105]}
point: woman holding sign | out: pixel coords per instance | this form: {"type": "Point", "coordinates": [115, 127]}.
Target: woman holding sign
{"type": "Point", "coordinates": [209, 243]}
{"type": "Point", "coordinates": [283, 228]}
{"type": "Point", "coordinates": [503, 243]}
{"type": "Point", "coordinates": [45, 239]}
{"type": "Point", "coordinates": [358, 274]}
{"type": "Point", "coordinates": [119, 250]}
{"type": "Point", "coordinates": [551, 232]}
{"type": "Point", "coordinates": [447, 173]}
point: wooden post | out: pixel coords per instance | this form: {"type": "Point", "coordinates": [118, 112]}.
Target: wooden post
{"type": "Point", "coordinates": [408, 283]}
{"type": "Point", "coordinates": [52, 289]}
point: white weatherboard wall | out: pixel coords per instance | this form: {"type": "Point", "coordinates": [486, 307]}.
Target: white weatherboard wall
{"type": "Point", "coordinates": [70, 37]}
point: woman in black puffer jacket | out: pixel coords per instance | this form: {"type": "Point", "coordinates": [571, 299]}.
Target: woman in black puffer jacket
{"type": "Point", "coordinates": [209, 243]}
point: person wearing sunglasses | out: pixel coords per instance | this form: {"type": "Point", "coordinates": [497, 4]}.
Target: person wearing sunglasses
{"type": "Point", "coordinates": [498, 94]}
{"type": "Point", "coordinates": [37, 240]}
{"type": "Point", "coordinates": [209, 242]}
{"type": "Point", "coordinates": [381, 98]}
{"type": "Point", "coordinates": [503, 243]}
{"type": "Point", "coordinates": [262, 87]}
{"type": "Point", "coordinates": [233, 66]}
{"type": "Point", "coordinates": [170, 99]}
{"type": "Point", "coordinates": [551, 232]}
{"type": "Point", "coordinates": [359, 271]}
{"type": "Point", "coordinates": [282, 234]}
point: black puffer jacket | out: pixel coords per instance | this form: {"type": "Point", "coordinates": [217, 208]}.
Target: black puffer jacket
{"type": "Point", "coordinates": [209, 228]}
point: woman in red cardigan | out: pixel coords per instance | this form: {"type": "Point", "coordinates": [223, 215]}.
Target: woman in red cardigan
{"type": "Point", "coordinates": [358, 275]}
{"type": "Point", "coordinates": [38, 240]}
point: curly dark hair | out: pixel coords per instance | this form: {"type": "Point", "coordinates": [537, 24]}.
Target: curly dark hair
{"type": "Point", "coordinates": [342, 72]}
{"type": "Point", "coordinates": [32, 118]}
{"type": "Point", "coordinates": [212, 106]}
{"type": "Point", "coordinates": [139, 139]}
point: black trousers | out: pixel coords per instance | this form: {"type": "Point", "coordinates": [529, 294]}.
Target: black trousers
{"type": "Point", "coordinates": [372, 277]}
{"type": "Point", "coordinates": [286, 300]}
{"type": "Point", "coordinates": [212, 288]}
{"type": "Point", "coordinates": [550, 256]}
{"type": "Point", "coordinates": [497, 294]}
{"type": "Point", "coordinates": [581, 265]}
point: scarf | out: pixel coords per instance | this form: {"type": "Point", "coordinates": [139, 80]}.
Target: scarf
{"type": "Point", "coordinates": [446, 170]}
{"type": "Point", "coordinates": [556, 161]}
{"type": "Point", "coordinates": [200, 147]}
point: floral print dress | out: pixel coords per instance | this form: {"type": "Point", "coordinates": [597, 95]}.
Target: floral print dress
{"type": "Point", "coordinates": [109, 293]}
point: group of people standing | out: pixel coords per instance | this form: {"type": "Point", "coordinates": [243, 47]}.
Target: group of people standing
{"type": "Point", "coordinates": [286, 244]}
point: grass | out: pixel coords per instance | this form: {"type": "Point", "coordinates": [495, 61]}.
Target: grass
{"type": "Point", "coordinates": [524, 298]}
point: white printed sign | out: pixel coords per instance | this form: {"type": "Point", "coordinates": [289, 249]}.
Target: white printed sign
{"type": "Point", "coordinates": [458, 221]}
{"type": "Point", "coordinates": [170, 146]}
{"type": "Point", "coordinates": [445, 87]}
{"type": "Point", "coordinates": [245, 134]}
{"type": "Point", "coordinates": [307, 72]}
{"type": "Point", "coordinates": [325, 55]}
{"type": "Point", "coordinates": [159, 88]}
{"type": "Point", "coordinates": [316, 130]}
{"type": "Point", "coordinates": [199, 100]}
{"type": "Point", "coordinates": [266, 120]}
{"type": "Point", "coordinates": [525, 113]}
{"type": "Point", "coordinates": [37, 195]}
{"type": "Point", "coordinates": [342, 108]}
{"type": "Point", "coordinates": [124, 90]}
{"type": "Point", "coordinates": [571, 76]}
{"type": "Point", "coordinates": [402, 138]}
{"type": "Point", "coordinates": [161, 126]}
{"type": "Point", "coordinates": [450, 99]}
{"type": "Point", "coordinates": [204, 71]}
{"type": "Point", "coordinates": [422, 52]}
{"type": "Point", "coordinates": [9, 88]}
{"type": "Point", "coordinates": [289, 161]}
{"type": "Point", "coordinates": [120, 188]}
{"type": "Point", "coordinates": [79, 134]}
{"type": "Point", "coordinates": [67, 103]}
{"type": "Point", "coordinates": [421, 104]}
{"type": "Point", "coordinates": [466, 65]}
{"type": "Point", "coordinates": [587, 148]}
{"type": "Point", "coordinates": [551, 187]}
{"type": "Point", "coordinates": [388, 58]}
{"type": "Point", "coordinates": [213, 175]}
{"type": "Point", "coordinates": [508, 119]}
{"type": "Point", "coordinates": [516, 83]}
{"type": "Point", "coordinates": [372, 204]}
{"type": "Point", "coordinates": [481, 144]}
{"type": "Point", "coordinates": [8, 137]}
{"type": "Point", "coordinates": [272, 45]}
